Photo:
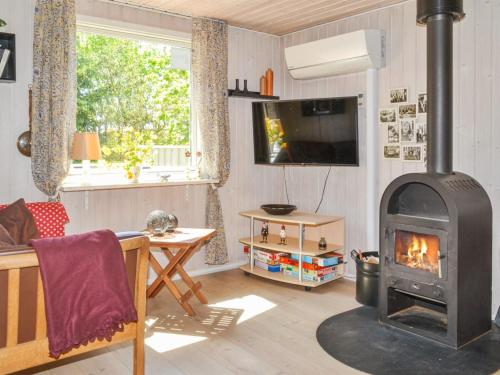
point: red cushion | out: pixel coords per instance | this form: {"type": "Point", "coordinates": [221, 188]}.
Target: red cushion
{"type": "Point", "coordinates": [50, 218]}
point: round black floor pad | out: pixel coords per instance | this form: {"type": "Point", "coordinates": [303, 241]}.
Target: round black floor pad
{"type": "Point", "coordinates": [357, 339]}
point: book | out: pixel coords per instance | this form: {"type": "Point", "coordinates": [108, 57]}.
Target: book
{"type": "Point", "coordinates": [267, 267]}
{"type": "Point", "coordinates": [329, 259]}
{"type": "Point", "coordinates": [268, 254]}
{"type": "Point", "coordinates": [4, 57]}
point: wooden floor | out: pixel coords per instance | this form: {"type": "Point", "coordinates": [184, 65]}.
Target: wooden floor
{"type": "Point", "coordinates": [252, 326]}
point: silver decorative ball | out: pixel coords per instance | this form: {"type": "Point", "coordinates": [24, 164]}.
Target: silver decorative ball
{"type": "Point", "coordinates": [159, 222]}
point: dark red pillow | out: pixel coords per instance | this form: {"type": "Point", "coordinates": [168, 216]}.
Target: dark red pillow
{"type": "Point", "coordinates": [5, 239]}
{"type": "Point", "coordinates": [19, 222]}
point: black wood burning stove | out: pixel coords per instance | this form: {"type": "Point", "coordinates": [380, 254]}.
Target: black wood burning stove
{"type": "Point", "coordinates": [436, 227]}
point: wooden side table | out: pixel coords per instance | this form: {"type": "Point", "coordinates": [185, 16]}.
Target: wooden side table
{"type": "Point", "coordinates": [186, 242]}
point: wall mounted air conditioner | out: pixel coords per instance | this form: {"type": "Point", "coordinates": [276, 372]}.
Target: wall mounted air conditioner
{"type": "Point", "coordinates": [341, 54]}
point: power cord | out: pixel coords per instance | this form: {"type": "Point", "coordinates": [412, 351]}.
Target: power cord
{"type": "Point", "coordinates": [286, 188]}
{"type": "Point", "coordinates": [324, 188]}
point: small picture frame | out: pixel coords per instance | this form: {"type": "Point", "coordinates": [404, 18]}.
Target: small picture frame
{"type": "Point", "coordinates": [412, 153]}
{"type": "Point", "coordinates": [399, 95]}
{"type": "Point", "coordinates": [393, 133]}
{"type": "Point", "coordinates": [387, 115]}
{"type": "Point", "coordinates": [392, 152]}
{"type": "Point", "coordinates": [408, 130]}
{"type": "Point", "coordinates": [421, 132]}
{"type": "Point", "coordinates": [422, 103]}
{"type": "Point", "coordinates": [407, 111]}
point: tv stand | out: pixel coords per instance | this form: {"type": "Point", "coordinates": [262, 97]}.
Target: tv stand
{"type": "Point", "coordinates": [331, 227]}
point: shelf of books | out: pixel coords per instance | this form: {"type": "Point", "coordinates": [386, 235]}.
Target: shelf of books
{"type": "Point", "coordinates": [291, 258]}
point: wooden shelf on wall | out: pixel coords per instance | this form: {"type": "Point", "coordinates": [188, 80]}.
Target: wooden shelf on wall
{"type": "Point", "coordinates": [250, 94]}
{"type": "Point", "coordinates": [8, 41]}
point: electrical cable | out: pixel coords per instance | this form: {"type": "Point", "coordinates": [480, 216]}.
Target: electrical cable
{"type": "Point", "coordinates": [286, 188]}
{"type": "Point", "coordinates": [324, 188]}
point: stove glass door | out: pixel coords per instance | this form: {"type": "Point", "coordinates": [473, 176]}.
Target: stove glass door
{"type": "Point", "coordinates": [418, 251]}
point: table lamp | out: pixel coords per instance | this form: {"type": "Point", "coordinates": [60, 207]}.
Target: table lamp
{"type": "Point", "coordinates": [86, 147]}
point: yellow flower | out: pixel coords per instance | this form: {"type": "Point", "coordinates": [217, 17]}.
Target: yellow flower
{"type": "Point", "coordinates": [130, 175]}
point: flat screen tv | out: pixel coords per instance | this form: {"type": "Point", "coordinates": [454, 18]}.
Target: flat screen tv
{"type": "Point", "coordinates": [312, 131]}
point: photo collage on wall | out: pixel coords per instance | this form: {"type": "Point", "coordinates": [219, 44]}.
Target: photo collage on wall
{"type": "Point", "coordinates": [405, 126]}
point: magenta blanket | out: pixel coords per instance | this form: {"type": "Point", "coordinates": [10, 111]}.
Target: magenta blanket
{"type": "Point", "coordinates": [87, 296]}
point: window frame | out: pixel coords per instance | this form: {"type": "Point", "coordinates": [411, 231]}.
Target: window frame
{"type": "Point", "coordinates": [139, 32]}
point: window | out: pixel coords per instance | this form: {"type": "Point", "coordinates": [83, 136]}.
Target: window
{"type": "Point", "coordinates": [134, 91]}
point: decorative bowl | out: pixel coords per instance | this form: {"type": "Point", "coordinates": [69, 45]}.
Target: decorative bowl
{"type": "Point", "coordinates": [159, 222]}
{"type": "Point", "coordinates": [278, 209]}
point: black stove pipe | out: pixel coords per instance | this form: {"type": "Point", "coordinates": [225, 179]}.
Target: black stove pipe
{"type": "Point", "coordinates": [439, 16]}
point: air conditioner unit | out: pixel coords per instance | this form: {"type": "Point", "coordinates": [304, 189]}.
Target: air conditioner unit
{"type": "Point", "coordinates": [341, 54]}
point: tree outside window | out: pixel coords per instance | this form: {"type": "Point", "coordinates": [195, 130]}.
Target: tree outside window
{"type": "Point", "coordinates": [130, 93]}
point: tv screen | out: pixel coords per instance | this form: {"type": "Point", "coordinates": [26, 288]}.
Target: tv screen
{"type": "Point", "coordinates": [312, 131]}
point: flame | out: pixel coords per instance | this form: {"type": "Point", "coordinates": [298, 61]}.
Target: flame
{"type": "Point", "coordinates": [419, 251]}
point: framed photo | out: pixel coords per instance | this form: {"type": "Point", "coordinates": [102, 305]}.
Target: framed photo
{"type": "Point", "coordinates": [408, 130]}
{"type": "Point", "coordinates": [421, 132]}
{"type": "Point", "coordinates": [387, 115]}
{"type": "Point", "coordinates": [407, 111]}
{"type": "Point", "coordinates": [412, 153]}
{"type": "Point", "coordinates": [393, 133]}
{"type": "Point", "coordinates": [399, 95]}
{"type": "Point", "coordinates": [422, 103]}
{"type": "Point", "coordinates": [392, 152]}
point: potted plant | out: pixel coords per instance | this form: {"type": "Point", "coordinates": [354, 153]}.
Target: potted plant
{"type": "Point", "coordinates": [136, 150]}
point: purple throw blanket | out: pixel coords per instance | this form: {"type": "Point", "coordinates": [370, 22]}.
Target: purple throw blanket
{"type": "Point", "coordinates": [87, 296]}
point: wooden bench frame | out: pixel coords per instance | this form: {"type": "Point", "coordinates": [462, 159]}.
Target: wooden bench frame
{"type": "Point", "coordinates": [15, 357]}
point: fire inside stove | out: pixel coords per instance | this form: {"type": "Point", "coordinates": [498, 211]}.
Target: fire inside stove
{"type": "Point", "coordinates": [415, 250]}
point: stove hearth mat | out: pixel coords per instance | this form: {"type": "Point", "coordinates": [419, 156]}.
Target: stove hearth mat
{"type": "Point", "coordinates": [357, 339]}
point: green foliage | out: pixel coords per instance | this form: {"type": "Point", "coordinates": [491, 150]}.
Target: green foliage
{"type": "Point", "coordinates": [131, 146]}
{"type": "Point", "coordinates": [129, 93]}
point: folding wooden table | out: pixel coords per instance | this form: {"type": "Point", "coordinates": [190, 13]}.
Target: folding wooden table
{"type": "Point", "coordinates": [178, 247]}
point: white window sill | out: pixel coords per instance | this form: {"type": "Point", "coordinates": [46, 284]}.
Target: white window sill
{"type": "Point", "coordinates": [76, 183]}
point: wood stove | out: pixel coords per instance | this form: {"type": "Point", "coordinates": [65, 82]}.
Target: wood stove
{"type": "Point", "coordinates": [436, 227]}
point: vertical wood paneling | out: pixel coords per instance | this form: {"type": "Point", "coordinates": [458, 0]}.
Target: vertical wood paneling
{"type": "Point", "coordinates": [476, 108]}
{"type": "Point", "coordinates": [465, 81]}
{"type": "Point", "coordinates": [483, 91]}
{"type": "Point", "coordinates": [495, 154]}
{"type": "Point", "coordinates": [15, 172]}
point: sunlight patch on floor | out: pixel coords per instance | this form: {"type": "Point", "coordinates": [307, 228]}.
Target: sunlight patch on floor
{"type": "Point", "coordinates": [150, 321]}
{"type": "Point", "coordinates": [162, 342]}
{"type": "Point", "coordinates": [251, 305]}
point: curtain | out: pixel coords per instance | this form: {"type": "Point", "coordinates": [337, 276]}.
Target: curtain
{"type": "Point", "coordinates": [209, 71]}
{"type": "Point", "coordinates": [54, 92]}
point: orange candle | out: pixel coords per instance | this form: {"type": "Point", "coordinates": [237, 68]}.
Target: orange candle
{"type": "Point", "coordinates": [269, 81]}
{"type": "Point", "coordinates": [263, 86]}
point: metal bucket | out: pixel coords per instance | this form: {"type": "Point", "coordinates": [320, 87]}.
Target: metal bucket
{"type": "Point", "coordinates": [367, 277]}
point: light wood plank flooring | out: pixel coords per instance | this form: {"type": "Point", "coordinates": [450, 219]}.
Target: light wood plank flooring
{"type": "Point", "coordinates": [252, 326]}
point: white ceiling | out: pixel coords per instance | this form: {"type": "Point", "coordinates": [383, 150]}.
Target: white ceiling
{"type": "Point", "coordinates": [277, 17]}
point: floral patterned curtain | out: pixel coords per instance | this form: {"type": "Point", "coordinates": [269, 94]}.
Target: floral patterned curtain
{"type": "Point", "coordinates": [209, 70]}
{"type": "Point", "coordinates": [54, 92]}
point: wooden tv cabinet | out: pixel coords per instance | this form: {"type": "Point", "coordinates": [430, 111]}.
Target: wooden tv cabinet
{"type": "Point", "coordinates": [297, 241]}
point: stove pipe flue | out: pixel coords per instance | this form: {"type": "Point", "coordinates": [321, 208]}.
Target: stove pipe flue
{"type": "Point", "coordinates": [439, 16]}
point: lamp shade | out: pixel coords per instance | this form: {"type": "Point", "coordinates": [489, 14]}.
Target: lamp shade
{"type": "Point", "coordinates": [86, 146]}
